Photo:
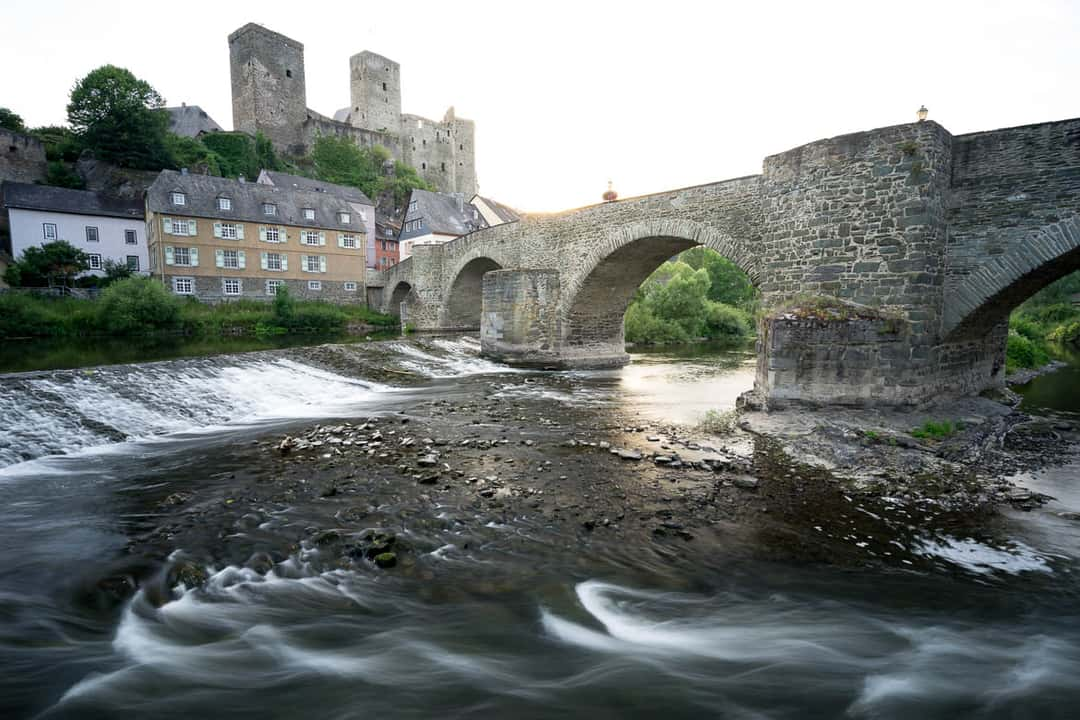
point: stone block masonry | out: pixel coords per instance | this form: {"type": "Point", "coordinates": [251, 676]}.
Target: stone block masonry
{"type": "Point", "coordinates": [942, 234]}
{"type": "Point", "coordinates": [22, 158]}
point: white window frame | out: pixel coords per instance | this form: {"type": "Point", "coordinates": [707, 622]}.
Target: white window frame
{"type": "Point", "coordinates": [181, 227]}
{"type": "Point", "coordinates": [307, 261]}
{"type": "Point", "coordinates": [225, 284]}
{"type": "Point", "coordinates": [309, 213]}
{"type": "Point", "coordinates": [271, 259]}
{"type": "Point", "coordinates": [229, 231]}
{"type": "Point", "coordinates": [49, 232]}
{"type": "Point", "coordinates": [272, 286]}
{"type": "Point", "coordinates": [270, 209]}
{"type": "Point", "coordinates": [93, 260]}
{"type": "Point", "coordinates": [225, 256]}
{"type": "Point", "coordinates": [275, 231]}
{"type": "Point", "coordinates": [131, 237]}
{"type": "Point", "coordinates": [133, 267]}
{"type": "Point", "coordinates": [178, 198]}
{"type": "Point", "coordinates": [314, 285]}
{"type": "Point", "coordinates": [350, 286]}
{"type": "Point", "coordinates": [224, 203]}
{"type": "Point", "coordinates": [310, 238]}
{"type": "Point", "coordinates": [186, 252]}
{"type": "Point", "coordinates": [178, 281]}
{"type": "Point", "coordinates": [348, 241]}
{"type": "Point", "coordinates": [92, 230]}
{"type": "Point", "coordinates": [344, 218]}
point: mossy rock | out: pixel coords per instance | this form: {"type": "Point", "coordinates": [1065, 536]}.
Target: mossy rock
{"type": "Point", "coordinates": [386, 560]}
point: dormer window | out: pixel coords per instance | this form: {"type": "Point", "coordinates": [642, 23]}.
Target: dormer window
{"type": "Point", "coordinates": [344, 218]}
{"type": "Point", "coordinates": [309, 213]}
{"type": "Point", "coordinates": [178, 198]}
{"type": "Point", "coordinates": [412, 206]}
{"type": "Point", "coordinates": [269, 209]}
{"type": "Point", "coordinates": [224, 203]}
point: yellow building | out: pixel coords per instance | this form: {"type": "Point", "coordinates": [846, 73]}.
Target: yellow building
{"type": "Point", "coordinates": [215, 238]}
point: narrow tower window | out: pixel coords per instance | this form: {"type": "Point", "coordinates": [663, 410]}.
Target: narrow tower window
{"type": "Point", "coordinates": [288, 73]}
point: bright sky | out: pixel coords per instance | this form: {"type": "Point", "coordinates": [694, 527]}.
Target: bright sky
{"type": "Point", "coordinates": [567, 95]}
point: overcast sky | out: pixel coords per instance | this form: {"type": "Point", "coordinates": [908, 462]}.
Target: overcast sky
{"type": "Point", "coordinates": [566, 95]}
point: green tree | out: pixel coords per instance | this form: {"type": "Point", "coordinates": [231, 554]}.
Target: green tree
{"type": "Point", "coordinates": [60, 142]}
{"type": "Point", "coordinates": [60, 174]}
{"type": "Point", "coordinates": [51, 264]}
{"type": "Point", "coordinates": [728, 284]}
{"type": "Point", "coordinates": [10, 120]}
{"type": "Point", "coordinates": [340, 160]}
{"type": "Point", "coordinates": [186, 152]}
{"type": "Point", "coordinates": [119, 117]}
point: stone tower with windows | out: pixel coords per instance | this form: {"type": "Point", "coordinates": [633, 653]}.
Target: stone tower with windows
{"type": "Point", "coordinates": [269, 93]}
{"type": "Point", "coordinates": [269, 96]}
{"type": "Point", "coordinates": [375, 91]}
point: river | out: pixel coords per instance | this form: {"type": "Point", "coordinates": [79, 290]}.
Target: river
{"type": "Point", "coordinates": [508, 617]}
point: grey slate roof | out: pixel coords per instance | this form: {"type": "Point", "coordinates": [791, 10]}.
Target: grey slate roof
{"type": "Point", "coordinates": [77, 202]}
{"type": "Point", "coordinates": [247, 201]}
{"type": "Point", "coordinates": [505, 213]}
{"type": "Point", "coordinates": [190, 121]}
{"type": "Point", "coordinates": [443, 213]}
{"type": "Point", "coordinates": [298, 182]}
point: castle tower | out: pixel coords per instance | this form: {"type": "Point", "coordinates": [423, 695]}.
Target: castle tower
{"type": "Point", "coordinates": [462, 153]}
{"type": "Point", "coordinates": [375, 85]}
{"type": "Point", "coordinates": [269, 94]}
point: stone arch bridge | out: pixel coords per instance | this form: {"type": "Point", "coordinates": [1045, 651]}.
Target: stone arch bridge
{"type": "Point", "coordinates": [887, 261]}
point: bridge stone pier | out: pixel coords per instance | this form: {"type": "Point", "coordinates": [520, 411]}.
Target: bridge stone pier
{"type": "Point", "coordinates": [887, 262]}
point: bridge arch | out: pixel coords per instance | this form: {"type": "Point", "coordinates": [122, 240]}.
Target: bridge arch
{"type": "Point", "coordinates": [464, 297]}
{"type": "Point", "coordinates": [402, 290]}
{"type": "Point", "coordinates": [596, 297]}
{"type": "Point", "coordinates": [987, 296]}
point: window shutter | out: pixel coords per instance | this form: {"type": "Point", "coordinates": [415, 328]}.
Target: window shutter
{"type": "Point", "coordinates": [217, 231]}
{"type": "Point", "coordinates": [322, 237]}
{"type": "Point", "coordinates": [262, 258]}
{"type": "Point", "coordinates": [284, 262]}
{"type": "Point", "coordinates": [219, 258]}
{"type": "Point", "coordinates": [239, 231]}
{"type": "Point", "coordinates": [194, 254]}
{"type": "Point", "coordinates": [240, 263]}
{"type": "Point", "coordinates": [262, 234]}
{"type": "Point", "coordinates": [192, 229]}
{"type": "Point", "coordinates": [322, 263]}
{"type": "Point", "coordinates": [166, 226]}
{"type": "Point", "coordinates": [283, 235]}
{"type": "Point", "coordinates": [168, 254]}
{"type": "Point", "coordinates": [340, 240]}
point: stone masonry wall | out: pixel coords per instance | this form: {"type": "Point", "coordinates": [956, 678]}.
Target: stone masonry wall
{"type": "Point", "coordinates": [519, 321]}
{"type": "Point", "coordinates": [269, 90]}
{"type": "Point", "coordinates": [22, 158]}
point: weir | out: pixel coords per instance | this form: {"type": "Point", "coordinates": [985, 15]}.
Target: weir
{"type": "Point", "coordinates": [887, 263]}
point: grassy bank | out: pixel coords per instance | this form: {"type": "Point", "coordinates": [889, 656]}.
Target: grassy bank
{"type": "Point", "coordinates": [140, 306]}
{"type": "Point", "coordinates": [1046, 319]}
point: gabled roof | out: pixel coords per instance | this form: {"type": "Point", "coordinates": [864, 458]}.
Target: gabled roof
{"type": "Point", "coordinates": [298, 182]}
{"type": "Point", "coordinates": [444, 213]}
{"type": "Point", "coordinates": [190, 121]}
{"type": "Point", "coordinates": [25, 196]}
{"type": "Point", "coordinates": [505, 213]}
{"type": "Point", "coordinates": [247, 199]}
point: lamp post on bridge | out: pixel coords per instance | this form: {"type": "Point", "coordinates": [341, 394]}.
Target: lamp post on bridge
{"type": "Point", "coordinates": [922, 112]}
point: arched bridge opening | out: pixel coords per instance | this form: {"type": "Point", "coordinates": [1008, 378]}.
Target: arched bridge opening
{"type": "Point", "coordinates": [464, 300]}
{"type": "Point", "coordinates": [400, 293]}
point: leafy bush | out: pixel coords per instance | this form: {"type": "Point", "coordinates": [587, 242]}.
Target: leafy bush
{"type": "Point", "coordinates": [60, 174]}
{"type": "Point", "coordinates": [53, 263]}
{"type": "Point", "coordinates": [1021, 352]}
{"type": "Point", "coordinates": [284, 305]}
{"type": "Point", "coordinates": [137, 305]}
{"type": "Point", "coordinates": [23, 315]}
{"type": "Point", "coordinates": [726, 321]}
{"type": "Point", "coordinates": [1066, 333]}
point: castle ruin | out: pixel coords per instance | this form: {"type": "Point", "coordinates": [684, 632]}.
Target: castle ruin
{"type": "Point", "coordinates": [269, 95]}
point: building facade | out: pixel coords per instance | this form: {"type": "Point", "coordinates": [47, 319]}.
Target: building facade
{"type": "Point", "coordinates": [433, 218]}
{"type": "Point", "coordinates": [269, 94]}
{"type": "Point", "coordinates": [106, 228]}
{"type": "Point", "coordinates": [386, 245]}
{"type": "Point", "coordinates": [218, 239]}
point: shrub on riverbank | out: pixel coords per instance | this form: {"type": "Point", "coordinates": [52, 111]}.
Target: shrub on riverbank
{"type": "Point", "coordinates": [1045, 319]}
{"type": "Point", "coordinates": [141, 306]}
{"type": "Point", "coordinates": [673, 306]}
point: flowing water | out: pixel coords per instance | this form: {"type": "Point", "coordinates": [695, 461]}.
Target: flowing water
{"type": "Point", "coordinates": [513, 620]}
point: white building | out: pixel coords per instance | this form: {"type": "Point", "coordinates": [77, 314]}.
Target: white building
{"type": "Point", "coordinates": [433, 218]}
{"type": "Point", "coordinates": [104, 227]}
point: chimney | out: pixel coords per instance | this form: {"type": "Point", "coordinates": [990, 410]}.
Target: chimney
{"type": "Point", "coordinates": [183, 104]}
